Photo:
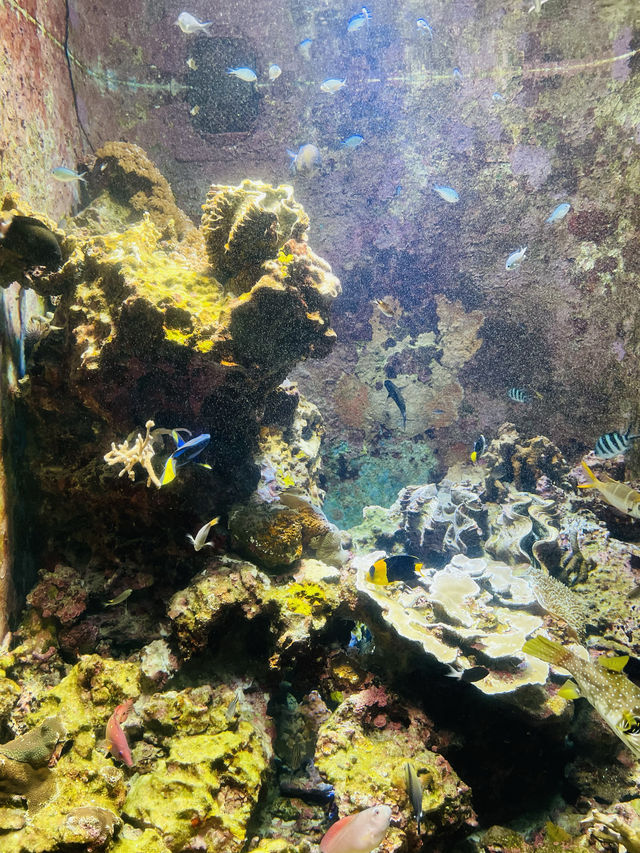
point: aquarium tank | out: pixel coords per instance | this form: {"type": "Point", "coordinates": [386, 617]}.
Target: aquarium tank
{"type": "Point", "coordinates": [320, 426]}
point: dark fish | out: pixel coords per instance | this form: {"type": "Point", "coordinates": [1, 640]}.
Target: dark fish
{"type": "Point", "coordinates": [613, 443]}
{"type": "Point", "coordinates": [33, 242]}
{"type": "Point", "coordinates": [401, 567]}
{"type": "Point", "coordinates": [474, 673]}
{"type": "Point", "coordinates": [479, 447]}
{"type": "Point", "coordinates": [414, 789]}
{"type": "Point", "coordinates": [397, 398]}
{"type": "Point", "coordinates": [519, 395]}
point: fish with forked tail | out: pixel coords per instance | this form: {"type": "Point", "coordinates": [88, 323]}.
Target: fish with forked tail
{"type": "Point", "coordinates": [618, 494]}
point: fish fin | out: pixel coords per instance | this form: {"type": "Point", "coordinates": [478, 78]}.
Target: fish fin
{"type": "Point", "coordinates": [454, 673]}
{"type": "Point", "coordinates": [169, 472]}
{"type": "Point", "coordinates": [616, 664]}
{"type": "Point", "coordinates": [570, 691]}
{"type": "Point", "coordinates": [592, 477]}
{"type": "Point", "coordinates": [179, 440]}
{"type": "Point", "coordinates": [544, 649]}
{"type": "Point", "coordinates": [474, 457]}
{"type": "Point", "coordinates": [81, 177]}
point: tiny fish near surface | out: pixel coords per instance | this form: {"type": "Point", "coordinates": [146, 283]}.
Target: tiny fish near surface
{"type": "Point", "coordinates": [619, 495]}
{"type": "Point", "coordinates": [613, 443]}
{"type": "Point", "coordinates": [515, 258]}
{"type": "Point", "coordinates": [357, 833]}
{"type": "Point", "coordinates": [448, 194]}
{"type": "Point", "coordinates": [201, 536]}
{"type": "Point", "coordinates": [612, 694]}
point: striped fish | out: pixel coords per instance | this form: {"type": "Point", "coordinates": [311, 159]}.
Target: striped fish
{"type": "Point", "coordinates": [613, 443]}
{"type": "Point", "coordinates": [519, 395]}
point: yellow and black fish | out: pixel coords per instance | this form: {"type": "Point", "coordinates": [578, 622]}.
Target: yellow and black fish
{"type": "Point", "coordinates": [400, 567]}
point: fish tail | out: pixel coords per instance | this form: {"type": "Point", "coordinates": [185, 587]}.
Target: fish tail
{"type": "Point", "coordinates": [169, 472]}
{"type": "Point", "coordinates": [592, 477]}
{"type": "Point", "coordinates": [546, 650]}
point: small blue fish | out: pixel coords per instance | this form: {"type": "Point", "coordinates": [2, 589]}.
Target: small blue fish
{"type": "Point", "coordinates": [184, 453]}
{"type": "Point", "coordinates": [305, 48]}
{"type": "Point", "coordinates": [446, 193]}
{"type": "Point", "coordinates": [519, 395]}
{"type": "Point", "coordinates": [559, 213]}
{"type": "Point", "coordinates": [67, 176]}
{"type": "Point", "coordinates": [515, 258]}
{"type": "Point", "coordinates": [363, 17]}
{"type": "Point", "coordinates": [332, 85]}
{"type": "Point", "coordinates": [421, 24]}
{"type": "Point", "coordinates": [246, 74]}
{"type": "Point", "coordinates": [352, 141]}
{"type": "Point", "coordinates": [497, 97]}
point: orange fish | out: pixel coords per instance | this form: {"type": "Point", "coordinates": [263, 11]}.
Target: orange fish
{"type": "Point", "coordinates": [357, 833]}
{"type": "Point", "coordinates": [115, 738]}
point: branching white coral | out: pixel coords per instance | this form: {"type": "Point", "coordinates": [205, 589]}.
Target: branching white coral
{"type": "Point", "coordinates": [141, 452]}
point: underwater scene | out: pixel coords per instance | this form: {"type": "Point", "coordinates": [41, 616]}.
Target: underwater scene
{"type": "Point", "coordinates": [320, 426]}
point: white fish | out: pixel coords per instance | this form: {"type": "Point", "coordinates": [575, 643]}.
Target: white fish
{"type": "Point", "coordinates": [422, 24]}
{"type": "Point", "coordinates": [305, 159]}
{"type": "Point", "coordinates": [188, 24]}
{"type": "Point", "coordinates": [332, 85]}
{"type": "Point", "coordinates": [201, 536]}
{"type": "Point", "coordinates": [274, 71]}
{"type": "Point", "coordinates": [192, 64]}
{"type": "Point", "coordinates": [67, 176]}
{"type": "Point", "coordinates": [246, 74]}
{"type": "Point", "coordinates": [515, 258]}
{"type": "Point", "coordinates": [357, 833]}
{"type": "Point", "coordinates": [559, 213]}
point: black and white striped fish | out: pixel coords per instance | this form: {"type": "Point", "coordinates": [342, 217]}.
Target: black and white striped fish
{"type": "Point", "coordinates": [613, 443]}
{"type": "Point", "coordinates": [519, 395]}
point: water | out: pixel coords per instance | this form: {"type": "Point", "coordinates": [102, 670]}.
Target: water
{"type": "Point", "coordinates": [284, 313]}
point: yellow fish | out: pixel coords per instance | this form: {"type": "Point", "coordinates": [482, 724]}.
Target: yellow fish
{"type": "Point", "coordinates": [614, 697]}
{"type": "Point", "coordinates": [618, 494]}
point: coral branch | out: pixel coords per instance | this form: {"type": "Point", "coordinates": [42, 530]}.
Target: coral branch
{"type": "Point", "coordinates": [141, 453]}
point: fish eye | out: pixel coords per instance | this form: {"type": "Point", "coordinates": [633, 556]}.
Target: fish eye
{"type": "Point", "coordinates": [371, 571]}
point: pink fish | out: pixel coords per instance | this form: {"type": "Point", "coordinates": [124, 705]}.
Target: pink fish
{"type": "Point", "coordinates": [116, 739]}
{"type": "Point", "coordinates": [357, 833]}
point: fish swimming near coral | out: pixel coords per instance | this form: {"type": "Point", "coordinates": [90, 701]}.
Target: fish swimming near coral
{"type": "Point", "coordinates": [189, 25]}
{"type": "Point", "coordinates": [67, 176]}
{"type": "Point", "coordinates": [519, 395]}
{"type": "Point", "coordinates": [414, 790]}
{"type": "Point", "coordinates": [559, 600]}
{"type": "Point", "coordinates": [201, 536]}
{"type": "Point", "coordinates": [274, 72]}
{"type": "Point", "coordinates": [448, 194]}
{"type": "Point", "coordinates": [473, 673]}
{"type": "Point", "coordinates": [332, 85]}
{"type": "Point", "coordinates": [516, 258]}
{"type": "Point", "coordinates": [353, 141]}
{"type": "Point", "coordinates": [479, 447]}
{"type": "Point", "coordinates": [305, 159]}
{"type": "Point", "coordinates": [387, 305]}
{"type": "Point", "coordinates": [559, 213]}
{"type": "Point", "coordinates": [32, 241]}
{"type": "Point", "coordinates": [399, 567]}
{"type": "Point", "coordinates": [115, 739]}
{"type": "Point", "coordinates": [119, 598]}
{"type": "Point", "coordinates": [357, 21]}
{"type": "Point", "coordinates": [357, 833]}
{"type": "Point", "coordinates": [246, 74]}
{"type": "Point", "coordinates": [398, 399]}
{"type": "Point", "coordinates": [185, 452]}
{"type": "Point", "coordinates": [612, 694]}
{"type": "Point", "coordinates": [618, 494]}
{"type": "Point", "coordinates": [614, 443]}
